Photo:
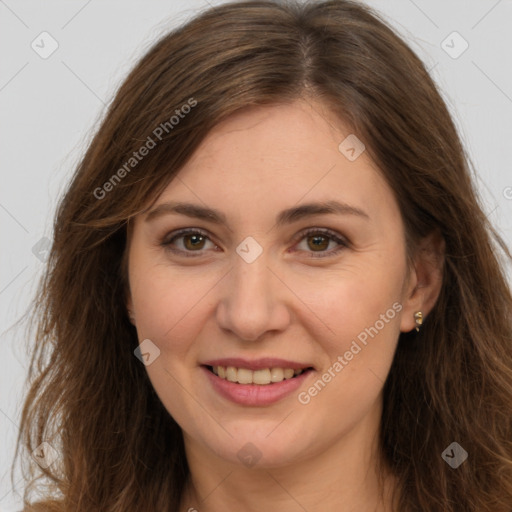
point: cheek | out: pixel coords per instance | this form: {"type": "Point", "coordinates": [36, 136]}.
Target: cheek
{"type": "Point", "coordinates": [358, 355]}
{"type": "Point", "coordinates": [169, 304]}
{"type": "Point", "coordinates": [170, 311]}
{"type": "Point", "coordinates": [362, 310]}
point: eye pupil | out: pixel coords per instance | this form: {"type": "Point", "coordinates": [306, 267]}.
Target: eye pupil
{"type": "Point", "coordinates": [194, 240]}
{"type": "Point", "coordinates": [319, 242]}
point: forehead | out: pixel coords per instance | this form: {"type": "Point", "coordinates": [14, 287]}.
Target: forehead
{"type": "Point", "coordinates": [267, 158]}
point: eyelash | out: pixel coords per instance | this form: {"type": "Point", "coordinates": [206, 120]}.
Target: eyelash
{"type": "Point", "coordinates": [332, 235]}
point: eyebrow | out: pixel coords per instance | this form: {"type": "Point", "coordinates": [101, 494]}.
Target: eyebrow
{"type": "Point", "coordinates": [287, 216]}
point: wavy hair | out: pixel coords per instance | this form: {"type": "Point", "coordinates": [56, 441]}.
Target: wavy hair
{"type": "Point", "coordinates": [91, 399]}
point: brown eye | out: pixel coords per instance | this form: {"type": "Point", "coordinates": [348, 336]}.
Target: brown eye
{"type": "Point", "coordinates": [194, 241]}
{"type": "Point", "coordinates": [318, 242]}
{"type": "Point", "coordinates": [187, 242]}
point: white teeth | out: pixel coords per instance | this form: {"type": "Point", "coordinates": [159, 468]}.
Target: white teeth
{"type": "Point", "coordinates": [288, 373]}
{"type": "Point", "coordinates": [277, 374]}
{"type": "Point", "coordinates": [244, 376]}
{"type": "Point", "coordinates": [231, 374]}
{"type": "Point", "coordinates": [261, 377]}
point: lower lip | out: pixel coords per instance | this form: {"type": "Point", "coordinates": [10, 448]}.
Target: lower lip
{"type": "Point", "coordinates": [255, 394]}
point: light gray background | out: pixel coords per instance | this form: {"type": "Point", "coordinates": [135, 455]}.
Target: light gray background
{"type": "Point", "coordinates": [49, 108]}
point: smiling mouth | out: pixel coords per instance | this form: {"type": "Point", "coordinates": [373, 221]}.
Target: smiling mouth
{"type": "Point", "coordinates": [262, 377]}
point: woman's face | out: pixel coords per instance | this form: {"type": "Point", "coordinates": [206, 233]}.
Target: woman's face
{"type": "Point", "coordinates": [266, 286]}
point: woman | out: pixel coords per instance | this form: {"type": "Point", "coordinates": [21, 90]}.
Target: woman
{"type": "Point", "coordinates": [272, 285]}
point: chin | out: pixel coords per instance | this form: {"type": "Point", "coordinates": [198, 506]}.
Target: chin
{"type": "Point", "coordinates": [256, 448]}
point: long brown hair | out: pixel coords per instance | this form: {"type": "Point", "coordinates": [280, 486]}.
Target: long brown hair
{"type": "Point", "coordinates": [91, 399]}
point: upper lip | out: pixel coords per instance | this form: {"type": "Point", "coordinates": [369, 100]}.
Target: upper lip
{"type": "Point", "coordinates": [257, 364]}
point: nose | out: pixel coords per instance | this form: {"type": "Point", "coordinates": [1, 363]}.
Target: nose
{"type": "Point", "coordinates": [253, 300]}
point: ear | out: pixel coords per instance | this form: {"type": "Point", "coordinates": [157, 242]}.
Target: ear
{"type": "Point", "coordinates": [425, 280]}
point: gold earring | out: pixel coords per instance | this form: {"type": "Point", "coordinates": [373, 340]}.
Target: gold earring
{"type": "Point", "coordinates": [418, 318]}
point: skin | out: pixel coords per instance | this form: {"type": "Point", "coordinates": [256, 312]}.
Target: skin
{"type": "Point", "coordinates": [287, 303]}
